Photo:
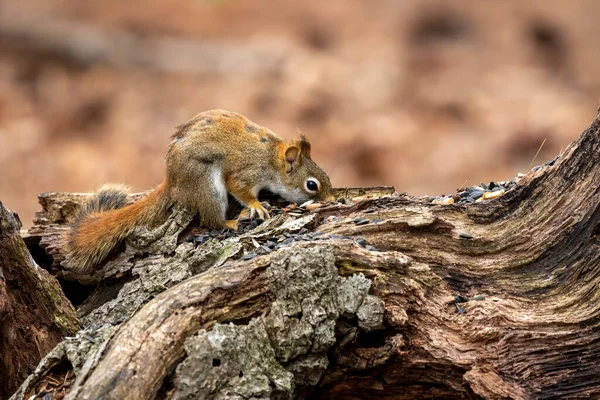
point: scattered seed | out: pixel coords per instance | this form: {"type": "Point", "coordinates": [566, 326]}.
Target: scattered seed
{"type": "Point", "coordinates": [459, 309]}
{"type": "Point", "coordinates": [443, 200]}
{"type": "Point", "coordinates": [465, 236]}
{"type": "Point", "coordinates": [201, 239]}
{"type": "Point", "coordinates": [474, 195]}
{"type": "Point", "coordinates": [309, 202]}
{"type": "Point", "coordinates": [493, 195]}
{"type": "Point", "coordinates": [362, 242]}
{"type": "Point", "coordinates": [249, 256]}
{"type": "Point", "coordinates": [461, 299]}
{"type": "Point", "coordinates": [362, 222]}
{"type": "Point", "coordinates": [478, 297]}
{"type": "Point", "coordinates": [551, 162]}
{"type": "Point", "coordinates": [289, 208]}
{"type": "Point", "coordinates": [314, 206]}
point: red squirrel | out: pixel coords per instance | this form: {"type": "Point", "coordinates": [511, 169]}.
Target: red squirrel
{"type": "Point", "coordinates": [215, 153]}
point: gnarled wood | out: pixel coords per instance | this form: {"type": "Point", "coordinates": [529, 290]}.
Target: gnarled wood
{"type": "Point", "coordinates": [34, 314]}
{"type": "Point", "coordinates": [496, 299]}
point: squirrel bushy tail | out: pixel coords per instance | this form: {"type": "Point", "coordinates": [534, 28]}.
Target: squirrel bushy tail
{"type": "Point", "coordinates": [104, 221]}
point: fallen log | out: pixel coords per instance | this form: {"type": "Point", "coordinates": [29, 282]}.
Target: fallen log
{"type": "Point", "coordinates": [388, 297]}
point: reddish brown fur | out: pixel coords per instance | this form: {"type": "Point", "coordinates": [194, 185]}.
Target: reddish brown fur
{"type": "Point", "coordinates": [215, 153]}
{"type": "Point", "coordinates": [94, 236]}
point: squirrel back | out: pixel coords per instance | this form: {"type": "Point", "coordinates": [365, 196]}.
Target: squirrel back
{"type": "Point", "coordinates": [242, 158]}
{"type": "Point", "coordinates": [105, 220]}
{"type": "Point", "coordinates": [215, 154]}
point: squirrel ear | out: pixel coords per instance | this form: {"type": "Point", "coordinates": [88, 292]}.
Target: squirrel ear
{"type": "Point", "coordinates": [292, 158]}
{"type": "Point", "coordinates": [304, 146]}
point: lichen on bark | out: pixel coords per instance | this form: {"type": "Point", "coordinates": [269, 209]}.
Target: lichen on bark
{"type": "Point", "coordinates": [286, 348]}
{"type": "Point", "coordinates": [231, 362]}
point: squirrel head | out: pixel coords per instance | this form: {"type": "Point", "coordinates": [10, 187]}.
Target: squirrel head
{"type": "Point", "coordinates": [303, 178]}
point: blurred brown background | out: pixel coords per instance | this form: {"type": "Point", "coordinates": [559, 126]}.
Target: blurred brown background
{"type": "Point", "coordinates": [420, 94]}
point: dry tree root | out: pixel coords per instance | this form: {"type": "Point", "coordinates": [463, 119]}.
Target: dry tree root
{"type": "Point", "coordinates": [389, 297]}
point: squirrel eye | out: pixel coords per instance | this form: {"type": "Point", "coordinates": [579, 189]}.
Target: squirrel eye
{"type": "Point", "coordinates": [312, 185]}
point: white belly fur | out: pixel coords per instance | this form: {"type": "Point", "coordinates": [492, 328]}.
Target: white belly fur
{"type": "Point", "coordinates": [219, 188]}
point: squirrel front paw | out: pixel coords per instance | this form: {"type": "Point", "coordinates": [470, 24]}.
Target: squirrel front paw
{"type": "Point", "coordinates": [258, 209]}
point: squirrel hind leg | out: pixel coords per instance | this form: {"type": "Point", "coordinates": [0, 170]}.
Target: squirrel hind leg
{"type": "Point", "coordinates": [213, 206]}
{"type": "Point", "coordinates": [203, 190]}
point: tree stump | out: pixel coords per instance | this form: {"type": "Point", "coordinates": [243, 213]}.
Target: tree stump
{"type": "Point", "coordinates": [491, 300]}
{"type": "Point", "coordinates": [34, 313]}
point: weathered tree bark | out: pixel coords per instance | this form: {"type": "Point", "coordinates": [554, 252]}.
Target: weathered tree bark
{"type": "Point", "coordinates": [34, 313]}
{"type": "Point", "coordinates": [496, 299]}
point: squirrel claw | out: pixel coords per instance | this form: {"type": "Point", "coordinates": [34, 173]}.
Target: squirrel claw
{"type": "Point", "coordinates": [258, 210]}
